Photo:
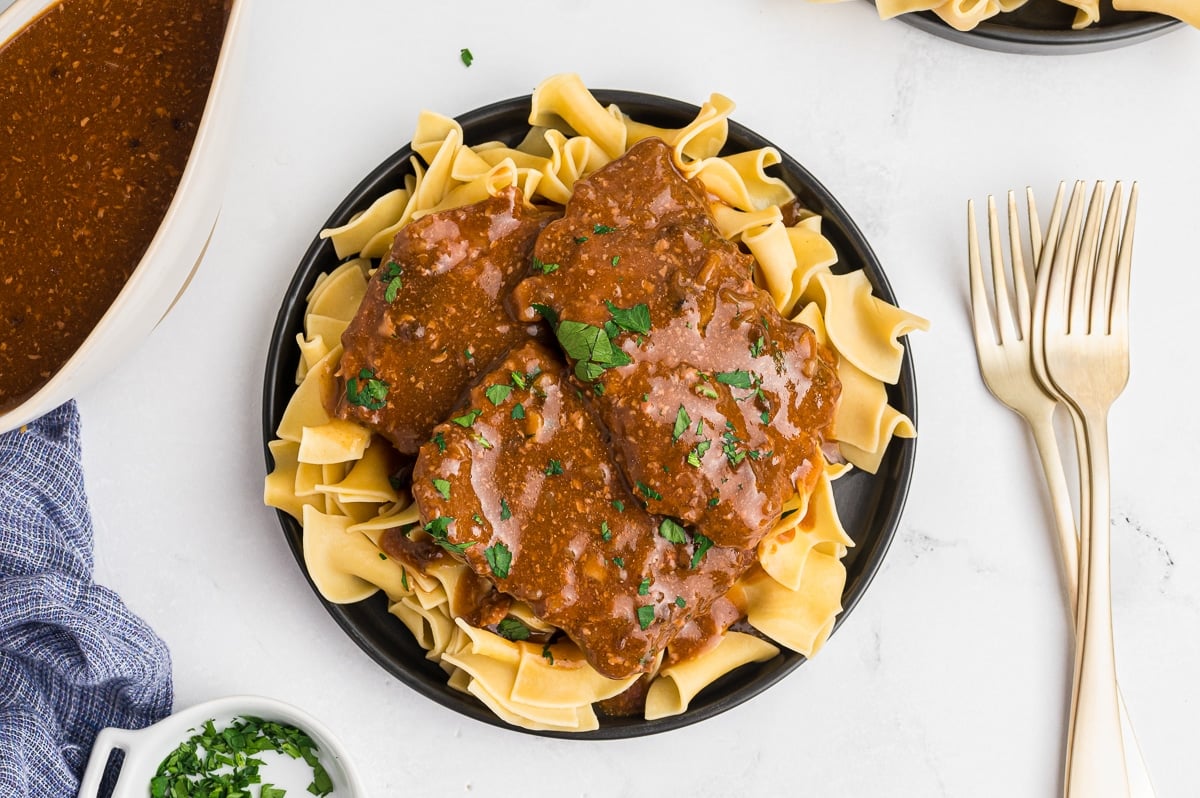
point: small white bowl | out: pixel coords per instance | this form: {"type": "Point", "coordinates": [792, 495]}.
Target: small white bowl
{"type": "Point", "coordinates": [146, 748]}
{"type": "Point", "coordinates": [175, 252]}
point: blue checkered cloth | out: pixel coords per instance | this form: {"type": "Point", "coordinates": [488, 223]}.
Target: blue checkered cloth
{"type": "Point", "coordinates": [73, 658]}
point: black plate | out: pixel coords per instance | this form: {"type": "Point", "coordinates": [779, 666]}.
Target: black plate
{"type": "Point", "coordinates": [1043, 27]}
{"type": "Point", "coordinates": [869, 505]}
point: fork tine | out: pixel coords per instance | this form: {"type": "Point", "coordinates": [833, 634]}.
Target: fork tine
{"type": "Point", "coordinates": [1004, 312]}
{"type": "Point", "coordinates": [1056, 289]}
{"type": "Point", "coordinates": [1020, 282]}
{"type": "Point", "coordinates": [1043, 257]}
{"type": "Point", "coordinates": [1119, 320]}
{"type": "Point", "coordinates": [1081, 284]}
{"type": "Point", "coordinates": [1035, 226]}
{"type": "Point", "coordinates": [1105, 266]}
{"type": "Point", "coordinates": [985, 334]}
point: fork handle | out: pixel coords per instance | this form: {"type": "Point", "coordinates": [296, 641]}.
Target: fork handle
{"type": "Point", "coordinates": [1096, 756]}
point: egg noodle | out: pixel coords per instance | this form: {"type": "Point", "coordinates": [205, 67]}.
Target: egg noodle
{"type": "Point", "coordinates": [966, 14]}
{"type": "Point", "coordinates": [333, 475]}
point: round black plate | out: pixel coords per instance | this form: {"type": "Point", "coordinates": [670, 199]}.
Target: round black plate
{"type": "Point", "coordinates": [869, 505]}
{"type": "Point", "coordinates": [1043, 27]}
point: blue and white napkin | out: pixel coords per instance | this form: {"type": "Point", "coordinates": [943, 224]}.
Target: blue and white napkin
{"type": "Point", "coordinates": [73, 658]}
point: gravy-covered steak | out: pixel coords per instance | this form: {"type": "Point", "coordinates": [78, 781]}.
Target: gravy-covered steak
{"type": "Point", "coordinates": [717, 406]}
{"type": "Point", "coordinates": [521, 484]}
{"type": "Point", "coordinates": [433, 317]}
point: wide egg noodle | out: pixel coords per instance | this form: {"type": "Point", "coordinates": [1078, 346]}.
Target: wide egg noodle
{"type": "Point", "coordinates": [785, 550]}
{"type": "Point", "coordinates": [343, 292]}
{"type": "Point", "coordinates": [676, 685]}
{"type": "Point", "coordinates": [378, 244]}
{"type": "Point", "coordinates": [336, 441]}
{"type": "Point", "coordinates": [311, 352]}
{"type": "Point", "coordinates": [1186, 10]}
{"type": "Point", "coordinates": [700, 139]}
{"type": "Point", "coordinates": [965, 15]}
{"type": "Point", "coordinates": [893, 8]}
{"type": "Point", "coordinates": [798, 619]}
{"type": "Point", "coordinates": [350, 238]}
{"type": "Point", "coordinates": [279, 489]}
{"type": "Point", "coordinates": [331, 554]}
{"type": "Point", "coordinates": [565, 97]}
{"type": "Point", "coordinates": [432, 627]}
{"type": "Point", "coordinates": [568, 681]}
{"type": "Point", "coordinates": [307, 406]}
{"type": "Point", "coordinates": [369, 477]}
{"type": "Point", "coordinates": [732, 223]}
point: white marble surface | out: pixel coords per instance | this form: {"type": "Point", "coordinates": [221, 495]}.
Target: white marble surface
{"type": "Point", "coordinates": [951, 677]}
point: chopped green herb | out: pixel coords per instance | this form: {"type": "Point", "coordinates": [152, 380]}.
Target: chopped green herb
{"type": "Point", "coordinates": [605, 532]}
{"type": "Point", "coordinates": [615, 260]}
{"type": "Point", "coordinates": [619, 562]}
{"type": "Point", "coordinates": [465, 55]}
{"type": "Point", "coordinates": [580, 239]}
{"type": "Point", "coordinates": [598, 389]}
{"type": "Point", "coordinates": [554, 468]}
{"type": "Point", "coordinates": [765, 417]}
{"type": "Point", "coordinates": [547, 313]}
{"type": "Point", "coordinates": [672, 531]}
{"type": "Point", "coordinates": [682, 420]}
{"type": "Point", "coordinates": [382, 556]}
{"type": "Point", "coordinates": [644, 587]}
{"type": "Point", "coordinates": [645, 397]}
{"type": "Point", "coordinates": [482, 441]}
{"type": "Point", "coordinates": [756, 348]}
{"type": "Point", "coordinates": [635, 319]}
{"type": "Point", "coordinates": [699, 426]}
{"type": "Point", "coordinates": [477, 518]}
{"type": "Point", "coordinates": [645, 616]}
{"type": "Point", "coordinates": [496, 394]}
{"type": "Point", "coordinates": [702, 544]}
{"type": "Point", "coordinates": [442, 486]}
{"type": "Point", "coordinates": [590, 347]}
{"type": "Point", "coordinates": [648, 492]}
{"type": "Point", "coordinates": [707, 391]}
{"type": "Point", "coordinates": [714, 501]}
{"type": "Point", "coordinates": [695, 455]}
{"type": "Point", "coordinates": [679, 601]}
{"type": "Point", "coordinates": [467, 419]}
{"type": "Point", "coordinates": [392, 275]}
{"type": "Point", "coordinates": [468, 354]}
{"type": "Point", "coordinates": [544, 268]}
{"type": "Point", "coordinates": [367, 390]}
{"type": "Point", "coordinates": [437, 530]}
{"type": "Point", "coordinates": [499, 559]}
{"type": "Point", "coordinates": [513, 629]}
{"type": "Point", "coordinates": [518, 411]}
{"type": "Point", "coordinates": [518, 379]}
{"type": "Point", "coordinates": [547, 653]}
{"type": "Point", "coordinates": [620, 505]}
{"type": "Point", "coordinates": [735, 379]}
{"type": "Point", "coordinates": [505, 511]}
{"type": "Point", "coordinates": [229, 766]}
{"type": "Point", "coordinates": [404, 577]}
{"type": "Point", "coordinates": [439, 440]}
{"type": "Point", "coordinates": [602, 229]}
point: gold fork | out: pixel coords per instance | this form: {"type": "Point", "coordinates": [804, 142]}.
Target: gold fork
{"type": "Point", "coordinates": [1086, 347]}
{"type": "Point", "coordinates": [1012, 364]}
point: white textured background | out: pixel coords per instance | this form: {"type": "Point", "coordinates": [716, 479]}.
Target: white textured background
{"type": "Point", "coordinates": [951, 678]}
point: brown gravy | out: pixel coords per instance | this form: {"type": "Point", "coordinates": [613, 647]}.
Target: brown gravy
{"type": "Point", "coordinates": [100, 101]}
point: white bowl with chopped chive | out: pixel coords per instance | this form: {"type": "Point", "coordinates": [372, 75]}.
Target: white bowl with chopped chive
{"type": "Point", "coordinates": [266, 747]}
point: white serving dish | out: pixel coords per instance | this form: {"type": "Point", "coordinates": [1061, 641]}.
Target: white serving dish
{"type": "Point", "coordinates": [175, 252]}
{"type": "Point", "coordinates": [146, 748]}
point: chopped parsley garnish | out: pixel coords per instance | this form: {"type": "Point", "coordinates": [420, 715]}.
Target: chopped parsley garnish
{"type": "Point", "coordinates": [437, 530]}
{"type": "Point", "coordinates": [512, 629]}
{"type": "Point", "coordinates": [392, 275]}
{"type": "Point", "coordinates": [765, 417]}
{"type": "Point", "coordinates": [496, 394]}
{"type": "Point", "coordinates": [619, 505]}
{"type": "Point", "coordinates": [735, 379]}
{"type": "Point", "coordinates": [404, 577]}
{"type": "Point", "coordinates": [518, 380]}
{"type": "Point", "coordinates": [635, 319]}
{"type": "Point", "coordinates": [467, 419]}
{"type": "Point", "coordinates": [547, 313]}
{"type": "Point", "coordinates": [367, 390]}
{"type": "Point", "coordinates": [580, 239]}
{"type": "Point", "coordinates": [602, 229]}
{"type": "Point", "coordinates": [703, 544]}
{"type": "Point", "coordinates": [382, 556]}
{"type": "Point", "coordinates": [705, 390]}
{"type": "Point", "coordinates": [644, 587]}
{"type": "Point", "coordinates": [645, 616]}
{"type": "Point", "coordinates": [544, 268]}
{"type": "Point", "coordinates": [619, 562]}
{"type": "Point", "coordinates": [598, 389]}
{"type": "Point", "coordinates": [230, 765]}
{"type": "Point", "coordinates": [615, 260]}
{"type": "Point", "coordinates": [695, 455]}
{"type": "Point", "coordinates": [648, 492]}
{"type": "Point", "coordinates": [679, 601]}
{"type": "Point", "coordinates": [699, 426]}
{"type": "Point", "coordinates": [554, 468]}
{"type": "Point", "coordinates": [590, 347]}
{"type": "Point", "coordinates": [672, 531]}
{"type": "Point", "coordinates": [477, 518]}
{"type": "Point", "coordinates": [465, 55]}
{"type": "Point", "coordinates": [482, 441]}
{"type": "Point", "coordinates": [505, 511]}
{"type": "Point", "coordinates": [548, 654]}
{"type": "Point", "coordinates": [714, 501]}
{"type": "Point", "coordinates": [729, 448]}
{"type": "Point", "coordinates": [518, 411]}
{"type": "Point", "coordinates": [499, 559]}
{"type": "Point", "coordinates": [442, 486]}
{"type": "Point", "coordinates": [468, 354]}
{"type": "Point", "coordinates": [756, 348]}
{"type": "Point", "coordinates": [605, 532]}
{"type": "Point", "coordinates": [682, 420]}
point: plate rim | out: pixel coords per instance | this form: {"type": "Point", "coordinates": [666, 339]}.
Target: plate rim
{"type": "Point", "coordinates": [901, 457]}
